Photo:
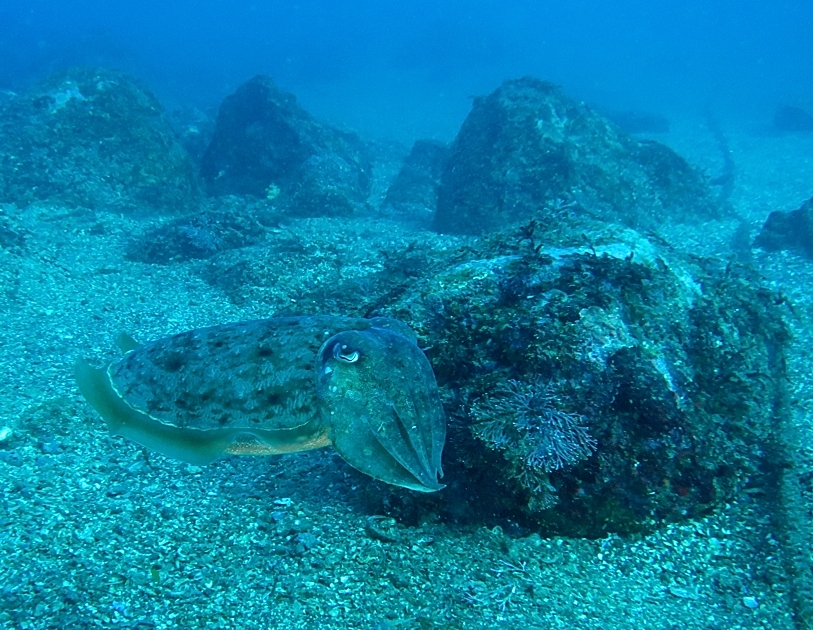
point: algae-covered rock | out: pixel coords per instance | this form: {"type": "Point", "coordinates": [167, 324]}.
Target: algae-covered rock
{"type": "Point", "coordinates": [608, 387]}
{"type": "Point", "coordinates": [94, 138]}
{"type": "Point", "coordinates": [196, 236]}
{"type": "Point", "coordinates": [791, 231]}
{"type": "Point", "coordinates": [527, 146]}
{"type": "Point", "coordinates": [266, 145]}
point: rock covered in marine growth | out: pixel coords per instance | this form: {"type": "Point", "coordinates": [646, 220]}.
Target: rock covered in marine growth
{"type": "Point", "coordinates": [791, 231]}
{"type": "Point", "coordinates": [266, 145]}
{"type": "Point", "coordinates": [603, 388]}
{"type": "Point", "coordinates": [93, 138]}
{"type": "Point", "coordinates": [198, 236]}
{"type": "Point", "coordinates": [527, 146]}
{"type": "Point", "coordinates": [413, 194]}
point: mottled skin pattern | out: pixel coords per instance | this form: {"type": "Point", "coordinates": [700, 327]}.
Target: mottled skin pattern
{"type": "Point", "coordinates": [246, 374]}
{"type": "Point", "coordinates": [281, 385]}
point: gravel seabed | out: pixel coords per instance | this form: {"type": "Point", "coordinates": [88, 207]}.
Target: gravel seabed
{"type": "Point", "coordinates": [96, 532]}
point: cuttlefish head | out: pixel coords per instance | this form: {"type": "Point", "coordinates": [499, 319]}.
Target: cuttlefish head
{"type": "Point", "coordinates": [377, 394]}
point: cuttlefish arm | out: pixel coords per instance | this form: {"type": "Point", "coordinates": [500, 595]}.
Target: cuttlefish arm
{"type": "Point", "coordinates": [378, 395]}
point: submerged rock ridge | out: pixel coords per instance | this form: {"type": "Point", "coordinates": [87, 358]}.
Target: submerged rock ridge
{"type": "Point", "coordinates": [266, 145]}
{"type": "Point", "coordinates": [93, 138]}
{"type": "Point", "coordinates": [527, 146]}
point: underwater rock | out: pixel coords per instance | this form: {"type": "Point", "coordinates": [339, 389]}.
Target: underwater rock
{"type": "Point", "coordinates": [788, 231]}
{"type": "Point", "coordinates": [197, 236]}
{"type": "Point", "coordinates": [413, 194]}
{"type": "Point", "coordinates": [266, 145]}
{"type": "Point", "coordinates": [94, 138]}
{"type": "Point", "coordinates": [792, 119]}
{"type": "Point", "coordinates": [526, 147]}
{"type": "Point", "coordinates": [609, 387]}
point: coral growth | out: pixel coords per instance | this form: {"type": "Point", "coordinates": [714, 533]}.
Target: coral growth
{"type": "Point", "coordinates": [526, 422]}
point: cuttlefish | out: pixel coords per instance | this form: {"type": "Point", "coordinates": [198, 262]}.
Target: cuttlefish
{"type": "Point", "coordinates": [280, 385]}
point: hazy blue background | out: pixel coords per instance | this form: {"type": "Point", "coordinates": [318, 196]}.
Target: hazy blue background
{"type": "Point", "coordinates": [407, 69]}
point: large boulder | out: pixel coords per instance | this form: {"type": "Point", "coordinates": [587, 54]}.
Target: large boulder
{"type": "Point", "coordinates": [527, 146]}
{"type": "Point", "coordinates": [93, 138]}
{"type": "Point", "coordinates": [266, 145]}
{"type": "Point", "coordinates": [609, 387]}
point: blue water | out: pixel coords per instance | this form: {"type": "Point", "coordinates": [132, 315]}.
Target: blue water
{"type": "Point", "coordinates": [408, 69]}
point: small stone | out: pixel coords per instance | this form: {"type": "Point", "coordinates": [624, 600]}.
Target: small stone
{"type": "Point", "coordinates": [307, 540]}
{"type": "Point", "coordinates": [116, 490]}
{"type": "Point", "coordinates": [49, 447]}
{"type": "Point", "coordinates": [300, 526]}
{"type": "Point", "coordinates": [69, 595]}
{"type": "Point", "coordinates": [11, 458]}
{"type": "Point", "coordinates": [750, 602]}
{"type": "Point", "coordinates": [5, 434]}
{"type": "Point", "coordinates": [136, 466]}
{"type": "Point", "coordinates": [382, 528]}
{"type": "Point", "coordinates": [683, 592]}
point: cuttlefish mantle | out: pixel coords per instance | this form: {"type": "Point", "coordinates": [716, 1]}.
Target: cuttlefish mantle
{"type": "Point", "coordinates": [280, 385]}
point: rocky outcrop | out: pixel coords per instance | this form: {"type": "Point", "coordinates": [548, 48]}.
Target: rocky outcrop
{"type": "Point", "coordinates": [526, 147]}
{"type": "Point", "coordinates": [413, 194]}
{"type": "Point", "coordinates": [197, 236]}
{"type": "Point", "coordinates": [609, 387]}
{"type": "Point", "coordinates": [792, 120]}
{"type": "Point", "coordinates": [93, 138]}
{"type": "Point", "coordinates": [788, 231]}
{"type": "Point", "coordinates": [266, 145]}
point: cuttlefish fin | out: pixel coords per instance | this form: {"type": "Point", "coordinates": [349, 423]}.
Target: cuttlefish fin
{"type": "Point", "coordinates": [194, 447]}
{"type": "Point", "coordinates": [126, 343]}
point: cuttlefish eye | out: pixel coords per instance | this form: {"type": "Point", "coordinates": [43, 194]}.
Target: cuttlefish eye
{"type": "Point", "coordinates": [343, 353]}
